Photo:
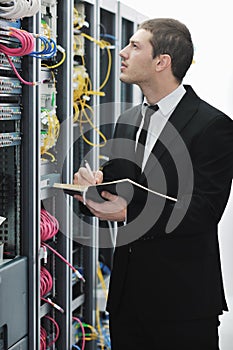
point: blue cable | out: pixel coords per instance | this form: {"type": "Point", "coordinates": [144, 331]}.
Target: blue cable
{"type": "Point", "coordinates": [106, 270]}
{"type": "Point", "coordinates": [76, 347]}
{"type": "Point", "coordinates": [48, 51]}
{"type": "Point", "coordinates": [109, 36]}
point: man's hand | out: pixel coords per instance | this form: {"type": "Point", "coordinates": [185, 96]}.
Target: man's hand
{"type": "Point", "coordinates": [83, 178]}
{"type": "Point", "coordinates": [113, 209]}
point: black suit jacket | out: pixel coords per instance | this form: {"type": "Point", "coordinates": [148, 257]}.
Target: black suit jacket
{"type": "Point", "coordinates": [167, 256]}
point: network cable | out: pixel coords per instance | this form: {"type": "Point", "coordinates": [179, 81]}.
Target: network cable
{"type": "Point", "coordinates": [49, 225]}
{"type": "Point", "coordinates": [26, 40]}
{"type": "Point", "coordinates": [46, 285]}
{"type": "Point", "coordinates": [48, 48]}
{"type": "Point", "coordinates": [50, 135]}
{"type": "Point", "coordinates": [43, 335]}
{"type": "Point", "coordinates": [58, 64]}
{"type": "Point", "coordinates": [78, 274]}
{"type": "Point", "coordinates": [83, 331]}
{"type": "Point", "coordinates": [103, 45]}
{"type": "Point", "coordinates": [15, 9]}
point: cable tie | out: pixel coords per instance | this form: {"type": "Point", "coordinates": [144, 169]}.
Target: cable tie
{"type": "Point", "coordinates": [87, 98]}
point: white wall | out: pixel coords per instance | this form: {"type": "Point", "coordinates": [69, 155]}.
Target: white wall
{"type": "Point", "coordinates": [211, 26]}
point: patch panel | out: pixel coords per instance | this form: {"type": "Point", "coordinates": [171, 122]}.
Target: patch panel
{"type": "Point", "coordinates": [6, 39]}
{"type": "Point", "coordinates": [10, 139]}
{"type": "Point", "coordinates": [10, 112]}
{"type": "Point", "coordinates": [9, 86]}
{"type": "Point", "coordinates": [4, 23]}
{"type": "Point", "coordinates": [4, 64]}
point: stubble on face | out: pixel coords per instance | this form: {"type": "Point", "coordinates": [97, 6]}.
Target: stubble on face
{"type": "Point", "coordinates": [137, 59]}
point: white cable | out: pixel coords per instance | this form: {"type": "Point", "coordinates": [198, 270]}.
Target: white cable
{"type": "Point", "coordinates": [16, 9]}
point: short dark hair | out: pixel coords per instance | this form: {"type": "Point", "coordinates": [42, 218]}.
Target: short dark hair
{"type": "Point", "coordinates": [169, 36]}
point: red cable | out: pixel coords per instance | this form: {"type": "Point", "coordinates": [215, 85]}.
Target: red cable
{"type": "Point", "coordinates": [78, 274]}
{"type": "Point", "coordinates": [17, 73]}
{"type": "Point", "coordinates": [57, 330]}
{"type": "Point", "coordinates": [43, 335]}
{"type": "Point", "coordinates": [83, 331]}
{"type": "Point", "coordinates": [26, 40]}
{"type": "Point", "coordinates": [46, 281]}
{"type": "Point", "coordinates": [49, 225]}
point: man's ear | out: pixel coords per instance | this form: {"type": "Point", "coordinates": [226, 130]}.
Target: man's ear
{"type": "Point", "coordinates": [162, 62]}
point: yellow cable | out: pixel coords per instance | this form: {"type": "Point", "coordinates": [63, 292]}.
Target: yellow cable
{"type": "Point", "coordinates": [83, 112]}
{"type": "Point", "coordinates": [108, 69]}
{"type": "Point", "coordinates": [102, 281]}
{"type": "Point", "coordinates": [77, 38]}
{"type": "Point", "coordinates": [52, 133]}
{"type": "Point", "coordinates": [84, 90]}
{"type": "Point", "coordinates": [53, 159]}
{"type": "Point", "coordinates": [102, 44]}
{"type": "Point", "coordinates": [57, 64]}
{"type": "Point", "coordinates": [99, 328]}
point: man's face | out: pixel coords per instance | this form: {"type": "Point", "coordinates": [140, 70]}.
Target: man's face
{"type": "Point", "coordinates": [137, 65]}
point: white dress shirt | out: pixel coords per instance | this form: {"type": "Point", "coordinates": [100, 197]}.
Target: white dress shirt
{"type": "Point", "coordinates": [158, 119]}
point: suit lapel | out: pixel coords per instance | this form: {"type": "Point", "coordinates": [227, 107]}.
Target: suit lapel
{"type": "Point", "coordinates": [181, 116]}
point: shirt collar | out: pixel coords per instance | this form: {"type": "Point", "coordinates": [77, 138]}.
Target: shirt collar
{"type": "Point", "coordinates": [169, 102]}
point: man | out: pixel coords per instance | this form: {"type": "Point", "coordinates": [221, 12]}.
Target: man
{"type": "Point", "coordinates": [166, 289]}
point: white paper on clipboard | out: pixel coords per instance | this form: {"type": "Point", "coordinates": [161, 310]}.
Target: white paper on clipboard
{"type": "Point", "coordinates": [2, 219]}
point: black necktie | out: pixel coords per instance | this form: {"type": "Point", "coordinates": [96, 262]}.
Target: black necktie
{"type": "Point", "coordinates": [143, 134]}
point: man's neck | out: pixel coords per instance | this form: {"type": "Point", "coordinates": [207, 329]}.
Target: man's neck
{"type": "Point", "coordinates": [156, 93]}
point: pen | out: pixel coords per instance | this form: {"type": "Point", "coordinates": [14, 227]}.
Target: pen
{"type": "Point", "coordinates": [87, 166]}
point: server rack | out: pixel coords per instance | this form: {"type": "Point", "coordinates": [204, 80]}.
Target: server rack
{"type": "Point", "coordinates": [13, 293]}
{"type": "Point", "coordinates": [78, 239]}
{"type": "Point", "coordinates": [40, 170]}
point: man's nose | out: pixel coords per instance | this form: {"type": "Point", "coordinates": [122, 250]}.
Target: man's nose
{"type": "Point", "coordinates": [123, 52]}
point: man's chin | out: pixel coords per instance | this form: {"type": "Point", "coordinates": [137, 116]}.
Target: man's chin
{"type": "Point", "coordinates": [124, 79]}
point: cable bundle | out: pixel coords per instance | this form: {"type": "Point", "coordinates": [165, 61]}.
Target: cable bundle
{"type": "Point", "coordinates": [76, 319]}
{"type": "Point", "coordinates": [46, 284]}
{"type": "Point", "coordinates": [26, 41]}
{"type": "Point", "coordinates": [48, 228]}
{"type": "Point", "coordinates": [83, 112]}
{"type": "Point", "coordinates": [49, 225]}
{"type": "Point", "coordinates": [46, 281]}
{"type": "Point", "coordinates": [15, 9]}
{"type": "Point", "coordinates": [49, 48]}
{"type": "Point", "coordinates": [43, 335]}
{"type": "Point", "coordinates": [51, 130]}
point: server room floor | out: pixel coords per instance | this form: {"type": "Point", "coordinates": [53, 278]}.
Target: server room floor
{"type": "Point", "coordinates": [226, 328]}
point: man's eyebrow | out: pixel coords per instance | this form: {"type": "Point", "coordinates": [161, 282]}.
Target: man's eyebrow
{"type": "Point", "coordinates": [132, 41]}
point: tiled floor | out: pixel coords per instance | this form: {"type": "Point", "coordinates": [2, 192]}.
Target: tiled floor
{"type": "Point", "coordinates": [226, 328]}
